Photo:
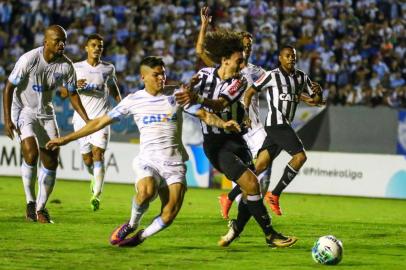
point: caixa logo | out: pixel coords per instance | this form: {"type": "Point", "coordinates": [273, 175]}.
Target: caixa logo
{"type": "Point", "coordinates": [91, 87]}
{"type": "Point", "coordinates": [161, 117]}
{"type": "Point", "coordinates": [289, 97]}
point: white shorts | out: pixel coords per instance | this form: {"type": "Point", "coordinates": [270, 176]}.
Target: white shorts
{"type": "Point", "coordinates": [30, 126]}
{"type": "Point", "coordinates": [99, 138]}
{"type": "Point", "coordinates": [165, 173]}
{"type": "Point", "coordinates": [255, 140]}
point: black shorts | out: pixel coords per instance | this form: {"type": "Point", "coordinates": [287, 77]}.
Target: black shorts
{"type": "Point", "coordinates": [281, 137]}
{"type": "Point", "coordinates": [229, 154]}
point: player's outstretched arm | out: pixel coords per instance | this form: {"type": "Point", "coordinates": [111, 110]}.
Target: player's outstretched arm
{"type": "Point", "coordinates": [204, 16]}
{"type": "Point", "coordinates": [9, 127]}
{"type": "Point", "coordinates": [213, 120]}
{"type": "Point", "coordinates": [77, 105]}
{"type": "Point", "coordinates": [91, 127]}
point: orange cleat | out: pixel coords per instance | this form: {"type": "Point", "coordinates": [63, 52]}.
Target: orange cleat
{"type": "Point", "coordinates": [273, 202]}
{"type": "Point", "coordinates": [225, 205]}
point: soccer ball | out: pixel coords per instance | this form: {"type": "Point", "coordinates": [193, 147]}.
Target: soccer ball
{"type": "Point", "coordinates": [327, 250]}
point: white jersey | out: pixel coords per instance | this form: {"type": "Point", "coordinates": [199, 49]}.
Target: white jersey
{"type": "Point", "coordinates": [94, 96]}
{"type": "Point", "coordinates": [36, 80]}
{"type": "Point", "coordinates": [159, 120]}
{"type": "Point", "coordinates": [252, 73]}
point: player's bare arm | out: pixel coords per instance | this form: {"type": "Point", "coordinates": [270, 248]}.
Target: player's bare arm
{"type": "Point", "coordinates": [213, 120]}
{"type": "Point", "coordinates": [77, 105]}
{"type": "Point", "coordinates": [248, 97]}
{"type": "Point", "coordinates": [91, 127]}
{"type": "Point", "coordinates": [317, 98]}
{"type": "Point", "coordinates": [115, 92]}
{"type": "Point", "coordinates": [205, 18]}
{"type": "Point", "coordinates": [9, 127]}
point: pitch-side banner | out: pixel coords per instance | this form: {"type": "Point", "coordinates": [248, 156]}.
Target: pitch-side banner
{"type": "Point", "coordinates": [347, 174]}
{"type": "Point", "coordinates": [118, 162]}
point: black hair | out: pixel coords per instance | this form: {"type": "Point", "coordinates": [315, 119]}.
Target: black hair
{"type": "Point", "coordinates": [152, 61]}
{"type": "Point", "coordinates": [222, 43]}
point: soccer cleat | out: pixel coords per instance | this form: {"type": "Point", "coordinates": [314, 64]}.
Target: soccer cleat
{"type": "Point", "coordinates": [30, 213]}
{"type": "Point", "coordinates": [43, 216]}
{"type": "Point", "coordinates": [225, 205]}
{"type": "Point", "coordinates": [120, 233]}
{"type": "Point", "coordinates": [229, 237]}
{"type": "Point", "coordinates": [95, 203]}
{"type": "Point", "coordinates": [278, 240]}
{"type": "Point", "coordinates": [273, 202]}
{"type": "Point", "coordinates": [132, 241]}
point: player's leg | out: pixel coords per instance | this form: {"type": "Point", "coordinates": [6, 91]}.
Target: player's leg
{"type": "Point", "coordinates": [29, 148]}
{"type": "Point", "coordinates": [98, 170]}
{"type": "Point", "coordinates": [99, 141]}
{"type": "Point", "coordinates": [290, 142]}
{"type": "Point", "coordinates": [46, 129]}
{"type": "Point", "coordinates": [171, 199]}
{"type": "Point", "coordinates": [146, 192]}
{"type": "Point", "coordinates": [46, 182]}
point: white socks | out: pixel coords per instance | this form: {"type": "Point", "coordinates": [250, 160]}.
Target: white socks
{"type": "Point", "coordinates": [29, 175]}
{"type": "Point", "coordinates": [46, 183]}
{"type": "Point", "coordinates": [98, 174]}
{"type": "Point", "coordinates": [136, 213]}
{"type": "Point", "coordinates": [156, 226]}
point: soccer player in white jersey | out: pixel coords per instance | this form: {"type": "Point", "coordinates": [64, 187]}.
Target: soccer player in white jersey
{"type": "Point", "coordinates": [160, 164]}
{"type": "Point", "coordinates": [256, 133]}
{"type": "Point", "coordinates": [96, 80]}
{"type": "Point", "coordinates": [29, 113]}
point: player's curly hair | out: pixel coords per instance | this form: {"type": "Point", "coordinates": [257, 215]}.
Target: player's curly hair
{"type": "Point", "coordinates": [222, 43]}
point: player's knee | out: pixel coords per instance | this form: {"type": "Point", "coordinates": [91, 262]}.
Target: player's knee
{"type": "Point", "coordinates": [88, 160]}
{"type": "Point", "coordinates": [98, 154]}
{"type": "Point", "coordinates": [31, 157]}
{"type": "Point", "coordinates": [146, 195]}
{"type": "Point", "coordinates": [300, 158]}
{"type": "Point", "coordinates": [260, 166]}
{"type": "Point", "coordinates": [251, 185]}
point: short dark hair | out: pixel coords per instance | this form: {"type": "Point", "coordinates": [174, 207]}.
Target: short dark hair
{"type": "Point", "coordinates": [286, 46]}
{"type": "Point", "coordinates": [94, 36]}
{"type": "Point", "coordinates": [222, 43]}
{"type": "Point", "coordinates": [152, 61]}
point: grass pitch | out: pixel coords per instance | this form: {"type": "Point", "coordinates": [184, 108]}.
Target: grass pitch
{"type": "Point", "coordinates": [373, 232]}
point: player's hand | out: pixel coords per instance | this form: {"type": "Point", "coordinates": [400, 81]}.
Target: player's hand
{"type": "Point", "coordinates": [194, 81]}
{"type": "Point", "coordinates": [232, 126]}
{"type": "Point", "coordinates": [55, 143]}
{"type": "Point", "coordinates": [185, 97]}
{"type": "Point", "coordinates": [316, 88]}
{"type": "Point", "coordinates": [81, 84]}
{"type": "Point", "coordinates": [10, 128]}
{"type": "Point", "coordinates": [204, 16]}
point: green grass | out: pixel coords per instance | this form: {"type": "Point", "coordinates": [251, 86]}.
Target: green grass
{"type": "Point", "coordinates": [373, 232]}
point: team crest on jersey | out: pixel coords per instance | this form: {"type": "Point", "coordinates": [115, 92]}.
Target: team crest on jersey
{"type": "Point", "coordinates": [171, 100]}
{"type": "Point", "coordinates": [57, 76]}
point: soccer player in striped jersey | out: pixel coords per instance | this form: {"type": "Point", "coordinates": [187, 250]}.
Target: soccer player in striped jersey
{"type": "Point", "coordinates": [219, 90]}
{"type": "Point", "coordinates": [160, 164]}
{"type": "Point", "coordinates": [28, 112]}
{"type": "Point", "coordinates": [256, 133]}
{"type": "Point", "coordinates": [284, 88]}
{"type": "Point", "coordinates": [96, 81]}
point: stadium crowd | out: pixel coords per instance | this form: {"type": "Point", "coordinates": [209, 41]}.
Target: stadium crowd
{"type": "Point", "coordinates": [354, 49]}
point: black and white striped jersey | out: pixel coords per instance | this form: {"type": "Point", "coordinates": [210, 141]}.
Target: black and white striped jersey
{"type": "Point", "coordinates": [211, 86]}
{"type": "Point", "coordinates": [283, 94]}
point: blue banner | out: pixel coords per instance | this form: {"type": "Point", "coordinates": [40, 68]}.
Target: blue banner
{"type": "Point", "coordinates": [401, 141]}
